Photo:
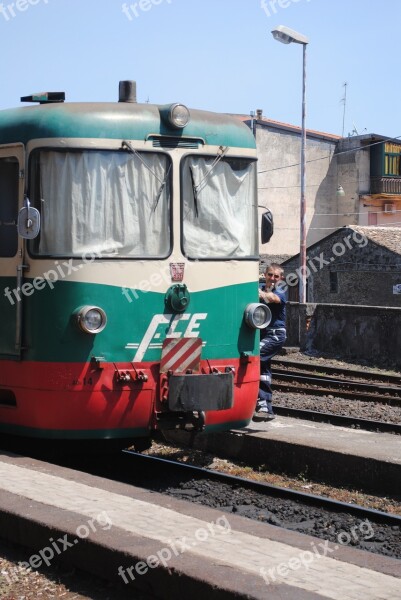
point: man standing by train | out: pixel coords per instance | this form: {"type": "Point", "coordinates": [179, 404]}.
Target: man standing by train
{"type": "Point", "coordinates": [272, 338]}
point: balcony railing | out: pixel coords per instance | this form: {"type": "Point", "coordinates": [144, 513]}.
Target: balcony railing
{"type": "Point", "coordinates": [385, 185]}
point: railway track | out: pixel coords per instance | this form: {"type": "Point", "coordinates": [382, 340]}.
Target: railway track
{"type": "Point", "coordinates": [339, 420]}
{"type": "Point", "coordinates": [313, 515]}
{"type": "Point", "coordinates": [308, 382]}
{"type": "Point", "coordinates": [323, 385]}
{"type": "Point", "coordinates": [282, 507]}
{"type": "Point", "coordinates": [356, 374]}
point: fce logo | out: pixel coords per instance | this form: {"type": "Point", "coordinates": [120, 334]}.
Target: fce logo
{"type": "Point", "coordinates": [152, 333]}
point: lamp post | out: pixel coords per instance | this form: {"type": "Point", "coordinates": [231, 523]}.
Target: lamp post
{"type": "Point", "coordinates": [287, 36]}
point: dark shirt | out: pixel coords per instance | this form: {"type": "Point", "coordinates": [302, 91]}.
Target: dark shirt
{"type": "Point", "coordinates": [277, 310]}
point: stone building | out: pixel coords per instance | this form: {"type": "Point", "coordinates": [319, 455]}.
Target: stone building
{"type": "Point", "coordinates": [369, 169]}
{"type": "Point", "coordinates": [352, 265]}
{"type": "Point", "coordinates": [354, 180]}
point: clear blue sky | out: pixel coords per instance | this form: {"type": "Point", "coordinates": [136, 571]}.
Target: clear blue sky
{"type": "Point", "coordinates": [212, 54]}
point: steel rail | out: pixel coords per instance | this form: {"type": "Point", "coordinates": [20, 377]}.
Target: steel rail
{"type": "Point", "coordinates": [345, 383]}
{"type": "Point", "coordinates": [269, 489]}
{"type": "Point", "coordinates": [308, 382]}
{"type": "Point", "coordinates": [338, 420]}
{"type": "Point", "coordinates": [373, 376]}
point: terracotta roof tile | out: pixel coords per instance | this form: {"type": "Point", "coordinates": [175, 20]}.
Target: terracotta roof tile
{"type": "Point", "coordinates": [273, 123]}
{"type": "Point", "coordinates": [388, 237]}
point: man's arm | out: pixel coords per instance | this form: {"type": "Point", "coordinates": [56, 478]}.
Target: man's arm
{"type": "Point", "coordinates": [269, 297]}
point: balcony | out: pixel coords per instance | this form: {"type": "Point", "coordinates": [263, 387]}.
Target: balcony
{"type": "Point", "coordinates": [385, 185]}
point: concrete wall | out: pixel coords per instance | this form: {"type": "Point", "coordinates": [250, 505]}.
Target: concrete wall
{"type": "Point", "coordinates": [279, 186]}
{"type": "Point", "coordinates": [353, 174]}
{"type": "Point", "coordinates": [368, 333]}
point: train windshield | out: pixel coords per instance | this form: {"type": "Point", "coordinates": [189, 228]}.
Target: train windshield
{"type": "Point", "coordinates": [109, 203]}
{"type": "Point", "coordinates": [219, 207]}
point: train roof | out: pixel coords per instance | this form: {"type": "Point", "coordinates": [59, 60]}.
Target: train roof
{"type": "Point", "coordinates": [120, 120]}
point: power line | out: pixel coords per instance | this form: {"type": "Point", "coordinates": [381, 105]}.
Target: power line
{"type": "Point", "coordinates": [348, 214]}
{"type": "Point", "coordinates": [331, 155]}
{"type": "Point", "coordinates": [310, 185]}
{"type": "Point", "coordinates": [337, 227]}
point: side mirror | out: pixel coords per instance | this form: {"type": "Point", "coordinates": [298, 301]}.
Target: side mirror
{"type": "Point", "coordinates": [28, 224]}
{"type": "Point", "coordinates": [267, 227]}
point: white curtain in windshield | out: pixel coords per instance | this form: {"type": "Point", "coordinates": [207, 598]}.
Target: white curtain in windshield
{"type": "Point", "coordinates": [219, 208]}
{"type": "Point", "coordinates": [104, 202]}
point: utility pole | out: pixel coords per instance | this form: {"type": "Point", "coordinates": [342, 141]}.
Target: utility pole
{"type": "Point", "coordinates": [344, 101]}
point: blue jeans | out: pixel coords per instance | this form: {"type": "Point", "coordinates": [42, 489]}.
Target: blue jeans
{"type": "Point", "coordinates": [270, 346]}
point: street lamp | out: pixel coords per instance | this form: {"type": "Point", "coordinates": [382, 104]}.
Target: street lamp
{"type": "Point", "coordinates": [287, 36]}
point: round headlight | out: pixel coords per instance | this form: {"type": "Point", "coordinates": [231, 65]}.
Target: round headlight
{"type": "Point", "coordinates": [179, 116]}
{"type": "Point", "coordinates": [91, 319]}
{"type": "Point", "coordinates": [257, 315]}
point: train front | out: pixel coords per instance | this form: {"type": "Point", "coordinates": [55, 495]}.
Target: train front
{"type": "Point", "coordinates": [137, 306]}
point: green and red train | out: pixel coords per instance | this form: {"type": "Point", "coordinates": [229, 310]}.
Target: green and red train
{"type": "Point", "coordinates": [129, 270]}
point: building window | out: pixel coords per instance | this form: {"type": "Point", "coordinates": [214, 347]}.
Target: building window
{"type": "Point", "coordinates": [392, 159]}
{"type": "Point", "coordinates": [333, 282]}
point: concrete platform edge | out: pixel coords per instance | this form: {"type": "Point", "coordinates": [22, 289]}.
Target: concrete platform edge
{"type": "Point", "coordinates": [322, 464]}
{"type": "Point", "coordinates": [102, 557]}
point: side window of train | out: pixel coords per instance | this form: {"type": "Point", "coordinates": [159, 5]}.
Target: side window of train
{"type": "Point", "coordinates": [9, 172]}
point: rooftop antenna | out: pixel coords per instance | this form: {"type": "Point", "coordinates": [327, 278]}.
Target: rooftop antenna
{"type": "Point", "coordinates": [344, 101]}
{"type": "Point", "coordinates": [355, 131]}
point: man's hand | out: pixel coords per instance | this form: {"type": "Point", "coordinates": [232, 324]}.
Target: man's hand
{"type": "Point", "coordinates": [269, 297]}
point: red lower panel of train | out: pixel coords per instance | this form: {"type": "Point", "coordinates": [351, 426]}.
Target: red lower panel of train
{"type": "Point", "coordinates": [106, 399]}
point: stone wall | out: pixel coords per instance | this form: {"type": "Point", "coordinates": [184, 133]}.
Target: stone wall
{"type": "Point", "coordinates": [347, 268]}
{"type": "Point", "coordinates": [361, 333]}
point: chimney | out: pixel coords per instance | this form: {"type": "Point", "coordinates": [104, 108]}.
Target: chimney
{"type": "Point", "coordinates": [259, 113]}
{"type": "Point", "coordinates": [127, 91]}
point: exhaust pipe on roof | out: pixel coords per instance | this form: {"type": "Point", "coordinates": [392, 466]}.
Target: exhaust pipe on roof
{"type": "Point", "coordinates": [127, 91]}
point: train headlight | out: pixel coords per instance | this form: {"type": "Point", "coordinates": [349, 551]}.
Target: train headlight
{"type": "Point", "coordinates": [91, 319]}
{"type": "Point", "coordinates": [257, 315]}
{"type": "Point", "coordinates": [175, 115]}
{"type": "Point", "coordinates": [178, 116]}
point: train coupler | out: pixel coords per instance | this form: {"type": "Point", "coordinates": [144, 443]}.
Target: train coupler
{"type": "Point", "coordinates": [188, 421]}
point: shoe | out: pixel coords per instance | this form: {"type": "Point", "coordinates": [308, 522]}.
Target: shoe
{"type": "Point", "coordinates": [263, 415]}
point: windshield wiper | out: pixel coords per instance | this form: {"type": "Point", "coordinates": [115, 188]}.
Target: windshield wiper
{"type": "Point", "coordinates": [223, 152]}
{"type": "Point", "coordinates": [161, 188]}
{"type": "Point", "coordinates": [162, 182]}
{"type": "Point", "coordinates": [195, 192]}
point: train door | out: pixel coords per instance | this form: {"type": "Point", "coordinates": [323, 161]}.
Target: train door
{"type": "Point", "coordinates": [11, 249]}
